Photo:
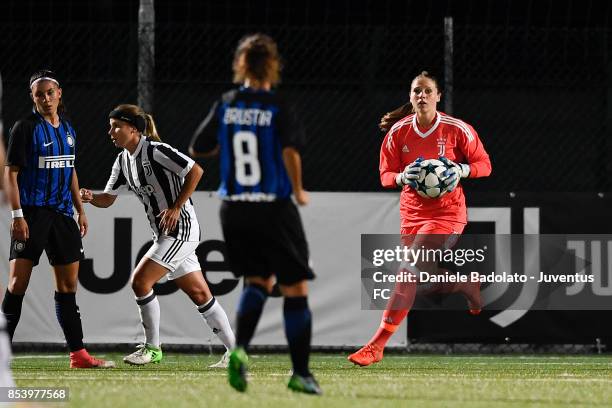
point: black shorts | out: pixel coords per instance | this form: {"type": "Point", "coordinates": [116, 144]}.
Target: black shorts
{"type": "Point", "coordinates": [265, 239]}
{"type": "Point", "coordinates": [52, 231]}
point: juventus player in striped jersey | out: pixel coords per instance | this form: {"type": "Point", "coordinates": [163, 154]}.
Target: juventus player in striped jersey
{"type": "Point", "coordinates": [163, 179]}
{"type": "Point", "coordinates": [416, 131]}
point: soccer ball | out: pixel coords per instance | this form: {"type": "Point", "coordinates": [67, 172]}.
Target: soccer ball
{"type": "Point", "coordinates": [429, 183]}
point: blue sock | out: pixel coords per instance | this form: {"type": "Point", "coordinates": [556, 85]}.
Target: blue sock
{"type": "Point", "coordinates": [249, 311]}
{"type": "Point", "coordinates": [298, 328]}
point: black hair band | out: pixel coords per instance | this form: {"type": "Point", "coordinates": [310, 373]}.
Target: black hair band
{"type": "Point", "coordinates": [135, 120]}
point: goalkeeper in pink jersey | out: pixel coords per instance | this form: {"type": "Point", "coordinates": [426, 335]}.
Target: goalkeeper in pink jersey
{"type": "Point", "coordinates": [418, 131]}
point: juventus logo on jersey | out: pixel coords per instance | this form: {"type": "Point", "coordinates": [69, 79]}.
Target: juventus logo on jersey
{"type": "Point", "coordinates": [147, 167]}
{"type": "Point", "coordinates": [441, 145]}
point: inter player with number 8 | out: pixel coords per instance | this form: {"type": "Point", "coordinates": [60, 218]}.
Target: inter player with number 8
{"type": "Point", "coordinates": [258, 139]}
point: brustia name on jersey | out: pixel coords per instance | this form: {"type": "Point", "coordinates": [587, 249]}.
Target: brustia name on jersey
{"type": "Point", "coordinates": [449, 137]}
{"type": "Point", "coordinates": [251, 128]}
{"type": "Point", "coordinates": [238, 116]}
{"type": "Point", "coordinates": [45, 156]}
{"type": "Point", "coordinates": [156, 173]}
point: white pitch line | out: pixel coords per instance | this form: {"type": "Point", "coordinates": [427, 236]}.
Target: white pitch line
{"type": "Point", "coordinates": [66, 378]}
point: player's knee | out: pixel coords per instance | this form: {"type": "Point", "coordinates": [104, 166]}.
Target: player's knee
{"type": "Point", "coordinates": [17, 286]}
{"type": "Point", "coordinates": [140, 286]}
{"type": "Point", "coordinates": [297, 289]}
{"type": "Point", "coordinates": [199, 296]}
{"type": "Point", "coordinates": [67, 287]}
{"type": "Point", "coordinates": [266, 283]}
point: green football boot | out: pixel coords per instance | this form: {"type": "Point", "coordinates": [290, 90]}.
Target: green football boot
{"type": "Point", "coordinates": [146, 354]}
{"type": "Point", "coordinates": [237, 369]}
{"type": "Point", "coordinates": [307, 385]}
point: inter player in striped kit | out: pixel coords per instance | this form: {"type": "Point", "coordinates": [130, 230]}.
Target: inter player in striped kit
{"type": "Point", "coordinates": [417, 131]}
{"type": "Point", "coordinates": [258, 140]}
{"type": "Point", "coordinates": [163, 179]}
{"type": "Point", "coordinates": [42, 188]}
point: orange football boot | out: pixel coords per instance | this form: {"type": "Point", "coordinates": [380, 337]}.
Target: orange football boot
{"type": "Point", "coordinates": [82, 359]}
{"type": "Point", "coordinates": [368, 354]}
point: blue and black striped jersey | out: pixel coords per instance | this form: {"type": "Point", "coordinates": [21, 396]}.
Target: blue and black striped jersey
{"type": "Point", "coordinates": [45, 157]}
{"type": "Point", "coordinates": [251, 128]}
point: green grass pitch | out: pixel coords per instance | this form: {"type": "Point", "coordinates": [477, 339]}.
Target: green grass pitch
{"type": "Point", "coordinates": [183, 380]}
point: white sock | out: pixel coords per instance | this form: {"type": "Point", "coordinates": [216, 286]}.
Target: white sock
{"type": "Point", "coordinates": [148, 306]}
{"type": "Point", "coordinates": [216, 319]}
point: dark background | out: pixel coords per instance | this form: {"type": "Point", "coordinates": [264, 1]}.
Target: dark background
{"type": "Point", "coordinates": [533, 77]}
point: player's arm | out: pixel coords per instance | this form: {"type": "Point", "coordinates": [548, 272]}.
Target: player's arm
{"type": "Point", "coordinates": [185, 168]}
{"type": "Point", "coordinates": [292, 139]}
{"type": "Point", "coordinates": [100, 200]}
{"type": "Point", "coordinates": [2, 157]}
{"type": "Point", "coordinates": [115, 184]}
{"type": "Point", "coordinates": [78, 205]}
{"type": "Point", "coordinates": [19, 227]}
{"type": "Point", "coordinates": [204, 141]}
{"type": "Point", "coordinates": [10, 179]}
{"type": "Point", "coordinates": [16, 158]}
{"type": "Point", "coordinates": [169, 217]}
{"type": "Point", "coordinates": [475, 154]}
{"type": "Point", "coordinates": [192, 178]}
{"type": "Point", "coordinates": [293, 164]}
{"type": "Point", "coordinates": [478, 162]}
{"type": "Point", "coordinates": [392, 175]}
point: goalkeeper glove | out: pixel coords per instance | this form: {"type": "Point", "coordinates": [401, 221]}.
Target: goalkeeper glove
{"type": "Point", "coordinates": [410, 174]}
{"type": "Point", "coordinates": [455, 172]}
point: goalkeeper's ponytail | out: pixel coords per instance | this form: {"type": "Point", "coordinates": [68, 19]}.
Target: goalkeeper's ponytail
{"type": "Point", "coordinates": [387, 121]}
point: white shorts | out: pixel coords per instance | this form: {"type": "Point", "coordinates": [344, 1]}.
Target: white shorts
{"type": "Point", "coordinates": [177, 256]}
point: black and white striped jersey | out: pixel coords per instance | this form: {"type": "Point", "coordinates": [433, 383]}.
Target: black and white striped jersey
{"type": "Point", "coordinates": [156, 173]}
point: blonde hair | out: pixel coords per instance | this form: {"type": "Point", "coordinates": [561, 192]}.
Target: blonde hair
{"type": "Point", "coordinates": [256, 57]}
{"type": "Point", "coordinates": [150, 128]}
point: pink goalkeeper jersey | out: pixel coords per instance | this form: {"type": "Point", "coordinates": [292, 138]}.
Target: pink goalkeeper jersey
{"type": "Point", "coordinates": [449, 137]}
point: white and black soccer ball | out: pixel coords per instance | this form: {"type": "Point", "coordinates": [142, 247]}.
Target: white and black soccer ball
{"type": "Point", "coordinates": [429, 184]}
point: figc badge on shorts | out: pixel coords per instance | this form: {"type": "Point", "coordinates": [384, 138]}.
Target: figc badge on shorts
{"type": "Point", "coordinates": [19, 246]}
